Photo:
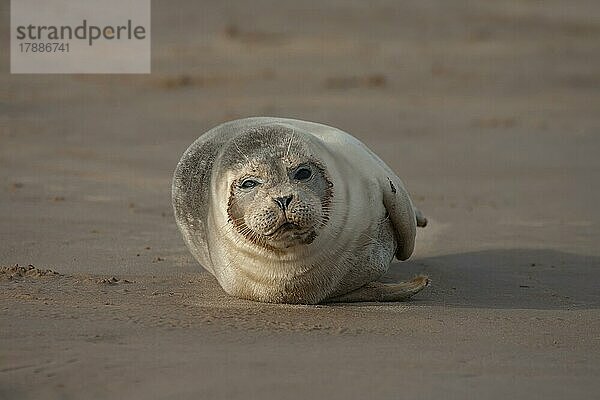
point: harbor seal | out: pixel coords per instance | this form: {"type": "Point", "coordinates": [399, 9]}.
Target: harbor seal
{"type": "Point", "coordinates": [290, 211]}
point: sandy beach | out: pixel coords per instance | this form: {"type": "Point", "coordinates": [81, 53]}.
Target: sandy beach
{"type": "Point", "coordinates": [488, 112]}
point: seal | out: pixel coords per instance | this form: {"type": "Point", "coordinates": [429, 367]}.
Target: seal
{"type": "Point", "coordinates": [290, 211]}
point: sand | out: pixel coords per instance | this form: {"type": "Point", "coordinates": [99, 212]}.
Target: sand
{"type": "Point", "coordinates": [488, 112]}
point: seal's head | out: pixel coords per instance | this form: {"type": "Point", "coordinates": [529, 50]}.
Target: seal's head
{"type": "Point", "coordinates": [279, 192]}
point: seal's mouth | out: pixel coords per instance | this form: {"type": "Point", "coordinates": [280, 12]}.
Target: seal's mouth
{"type": "Point", "coordinates": [285, 227]}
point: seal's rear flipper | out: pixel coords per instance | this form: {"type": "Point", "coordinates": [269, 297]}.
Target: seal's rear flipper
{"type": "Point", "coordinates": [377, 291]}
{"type": "Point", "coordinates": [421, 219]}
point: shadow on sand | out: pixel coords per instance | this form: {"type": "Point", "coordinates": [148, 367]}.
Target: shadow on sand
{"type": "Point", "coordinates": [506, 279]}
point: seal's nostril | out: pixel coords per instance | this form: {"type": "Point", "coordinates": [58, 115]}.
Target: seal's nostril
{"type": "Point", "coordinates": [288, 200]}
{"type": "Point", "coordinates": [284, 201]}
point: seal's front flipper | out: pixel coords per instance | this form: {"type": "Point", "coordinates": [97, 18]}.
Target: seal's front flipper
{"type": "Point", "coordinates": [377, 291]}
{"type": "Point", "coordinates": [402, 214]}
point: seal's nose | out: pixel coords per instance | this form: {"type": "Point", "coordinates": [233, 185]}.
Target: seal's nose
{"type": "Point", "coordinates": [284, 201]}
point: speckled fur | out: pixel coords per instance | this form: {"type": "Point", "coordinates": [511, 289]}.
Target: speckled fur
{"type": "Point", "coordinates": [363, 215]}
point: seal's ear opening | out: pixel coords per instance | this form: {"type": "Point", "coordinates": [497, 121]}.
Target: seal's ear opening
{"type": "Point", "coordinates": [400, 209]}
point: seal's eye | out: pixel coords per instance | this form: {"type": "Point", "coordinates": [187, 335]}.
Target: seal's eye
{"type": "Point", "coordinates": [302, 174]}
{"type": "Point", "coordinates": [249, 184]}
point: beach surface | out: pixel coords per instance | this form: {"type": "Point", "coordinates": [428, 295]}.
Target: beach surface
{"type": "Point", "coordinates": [490, 113]}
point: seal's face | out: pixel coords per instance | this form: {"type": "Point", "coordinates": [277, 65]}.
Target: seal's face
{"type": "Point", "coordinates": [279, 197]}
